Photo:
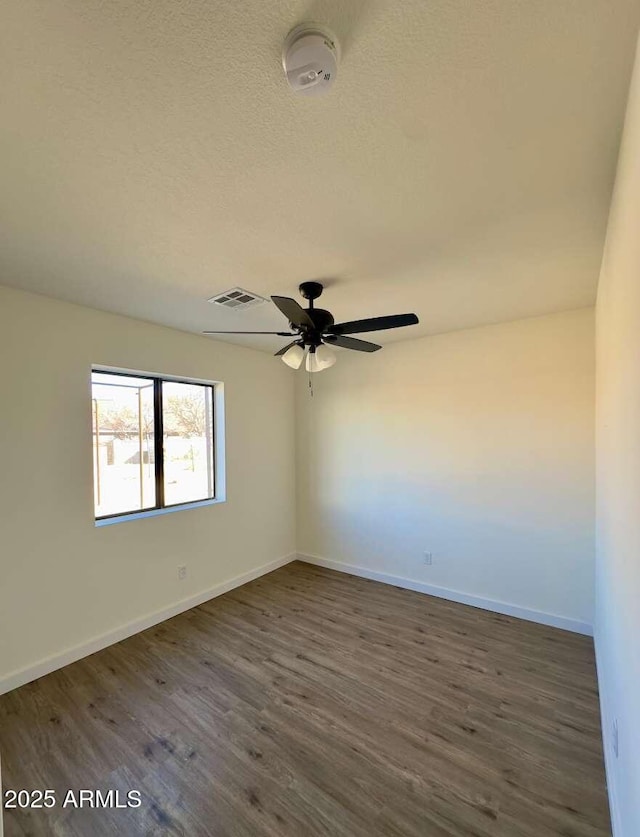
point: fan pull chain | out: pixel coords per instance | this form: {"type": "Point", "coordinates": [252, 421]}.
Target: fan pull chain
{"type": "Point", "coordinates": [310, 385]}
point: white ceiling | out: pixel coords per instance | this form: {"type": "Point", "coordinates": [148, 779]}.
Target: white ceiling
{"type": "Point", "coordinates": [152, 155]}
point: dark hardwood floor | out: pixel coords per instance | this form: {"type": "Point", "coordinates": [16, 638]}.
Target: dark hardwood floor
{"type": "Point", "coordinates": [314, 703]}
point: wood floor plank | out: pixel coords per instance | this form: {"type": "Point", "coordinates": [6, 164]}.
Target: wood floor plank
{"type": "Point", "coordinates": [313, 703]}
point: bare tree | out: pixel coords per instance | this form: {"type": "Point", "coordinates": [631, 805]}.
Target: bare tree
{"type": "Point", "coordinates": [184, 414]}
{"type": "Point", "coordinates": [122, 421]}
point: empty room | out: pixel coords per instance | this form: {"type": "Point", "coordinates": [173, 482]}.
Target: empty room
{"type": "Point", "coordinates": [320, 418]}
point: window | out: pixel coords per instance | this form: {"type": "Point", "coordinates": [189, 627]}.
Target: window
{"type": "Point", "coordinates": [153, 443]}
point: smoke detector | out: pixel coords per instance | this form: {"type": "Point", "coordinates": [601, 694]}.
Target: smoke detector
{"type": "Point", "coordinates": [310, 59]}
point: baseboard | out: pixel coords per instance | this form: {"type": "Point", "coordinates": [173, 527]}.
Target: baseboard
{"type": "Point", "coordinates": [606, 722]}
{"type": "Point", "coordinates": [540, 616]}
{"type": "Point", "coordinates": [77, 652]}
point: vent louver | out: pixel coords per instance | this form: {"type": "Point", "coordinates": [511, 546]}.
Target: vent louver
{"type": "Point", "coordinates": [237, 298]}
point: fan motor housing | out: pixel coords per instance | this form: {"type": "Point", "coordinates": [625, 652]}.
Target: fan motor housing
{"type": "Point", "coordinates": [321, 319]}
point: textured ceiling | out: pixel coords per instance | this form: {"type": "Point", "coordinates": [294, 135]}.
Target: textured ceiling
{"type": "Point", "coordinates": [152, 155]}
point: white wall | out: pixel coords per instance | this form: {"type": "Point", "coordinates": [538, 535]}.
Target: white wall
{"type": "Point", "coordinates": [476, 446]}
{"type": "Point", "coordinates": [63, 581]}
{"type": "Point", "coordinates": [617, 627]}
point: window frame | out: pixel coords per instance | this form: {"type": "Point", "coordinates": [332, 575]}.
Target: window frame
{"type": "Point", "coordinates": [217, 446]}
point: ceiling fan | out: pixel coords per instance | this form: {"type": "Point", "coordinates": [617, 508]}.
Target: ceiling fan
{"type": "Point", "coordinates": [316, 331]}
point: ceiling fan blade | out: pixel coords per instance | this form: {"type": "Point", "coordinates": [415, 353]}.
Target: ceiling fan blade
{"type": "Point", "coordinates": [296, 315]}
{"type": "Point", "coordinates": [279, 333]}
{"type": "Point", "coordinates": [351, 343]}
{"type": "Point", "coordinates": [286, 348]}
{"type": "Point", "coordinates": [373, 324]}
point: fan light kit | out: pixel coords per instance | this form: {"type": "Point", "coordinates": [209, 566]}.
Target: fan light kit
{"type": "Point", "coordinates": [318, 357]}
{"type": "Point", "coordinates": [310, 59]}
{"type": "Point", "coordinates": [316, 332]}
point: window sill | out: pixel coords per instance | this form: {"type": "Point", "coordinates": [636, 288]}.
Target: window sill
{"type": "Point", "coordinates": [123, 518]}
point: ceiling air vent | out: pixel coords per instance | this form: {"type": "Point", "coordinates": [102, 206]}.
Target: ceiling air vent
{"type": "Point", "coordinates": [238, 298]}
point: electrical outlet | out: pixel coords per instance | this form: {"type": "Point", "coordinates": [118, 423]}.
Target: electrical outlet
{"type": "Point", "coordinates": [614, 738]}
{"type": "Point", "coordinates": [182, 572]}
{"type": "Point", "coordinates": [428, 558]}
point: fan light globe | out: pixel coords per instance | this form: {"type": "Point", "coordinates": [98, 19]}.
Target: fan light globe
{"type": "Point", "coordinates": [319, 358]}
{"type": "Point", "coordinates": [294, 356]}
{"type": "Point", "coordinates": [325, 357]}
{"type": "Point", "coordinates": [311, 364]}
